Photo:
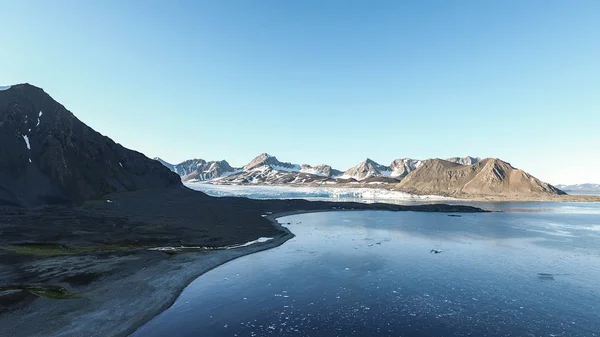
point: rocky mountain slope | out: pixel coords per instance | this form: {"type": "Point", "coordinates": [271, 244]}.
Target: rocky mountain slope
{"type": "Point", "coordinates": [200, 169]}
{"type": "Point", "coordinates": [48, 156]}
{"type": "Point", "coordinates": [488, 177]}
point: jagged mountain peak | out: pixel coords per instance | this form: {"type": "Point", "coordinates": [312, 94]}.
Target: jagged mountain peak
{"type": "Point", "coordinates": [268, 161]}
{"type": "Point", "coordinates": [367, 169]}
{"type": "Point", "coordinates": [199, 169]}
{"type": "Point", "coordinates": [403, 166]}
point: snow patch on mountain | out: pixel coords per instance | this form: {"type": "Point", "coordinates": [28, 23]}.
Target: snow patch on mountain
{"type": "Point", "coordinates": [313, 171]}
{"type": "Point", "coordinates": [5, 87]}
{"type": "Point", "coordinates": [26, 139]}
{"type": "Point", "coordinates": [293, 168]}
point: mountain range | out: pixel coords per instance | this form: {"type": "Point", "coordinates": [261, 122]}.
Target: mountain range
{"type": "Point", "coordinates": [48, 156]}
{"type": "Point", "coordinates": [580, 188]}
{"type": "Point", "coordinates": [456, 176]}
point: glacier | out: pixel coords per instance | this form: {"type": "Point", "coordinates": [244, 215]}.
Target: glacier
{"type": "Point", "coordinates": [359, 194]}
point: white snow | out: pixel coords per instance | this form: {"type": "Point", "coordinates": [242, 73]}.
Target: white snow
{"type": "Point", "coordinates": [26, 138]}
{"type": "Point", "coordinates": [386, 173]}
{"type": "Point", "coordinates": [5, 87]}
{"type": "Point", "coordinates": [120, 164]}
{"type": "Point", "coordinates": [312, 171]}
{"type": "Point", "coordinates": [38, 120]}
{"type": "Point", "coordinates": [294, 168]}
{"type": "Point", "coordinates": [182, 248]}
{"type": "Point", "coordinates": [259, 240]}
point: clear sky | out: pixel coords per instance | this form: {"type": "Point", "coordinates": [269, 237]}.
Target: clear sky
{"type": "Point", "coordinates": [323, 81]}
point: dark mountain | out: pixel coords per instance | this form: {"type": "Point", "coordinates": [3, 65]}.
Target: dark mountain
{"type": "Point", "coordinates": [48, 156]}
{"type": "Point", "coordinates": [166, 164]}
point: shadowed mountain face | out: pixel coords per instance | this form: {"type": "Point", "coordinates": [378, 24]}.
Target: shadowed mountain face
{"type": "Point", "coordinates": [48, 156]}
{"type": "Point", "coordinates": [488, 177]}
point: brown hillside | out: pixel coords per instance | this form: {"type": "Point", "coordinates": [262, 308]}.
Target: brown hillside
{"type": "Point", "coordinates": [489, 177]}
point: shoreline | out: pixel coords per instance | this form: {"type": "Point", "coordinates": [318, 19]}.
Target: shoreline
{"type": "Point", "coordinates": [119, 289]}
{"type": "Point", "coordinates": [133, 298]}
{"type": "Point", "coordinates": [276, 242]}
{"type": "Point", "coordinates": [242, 251]}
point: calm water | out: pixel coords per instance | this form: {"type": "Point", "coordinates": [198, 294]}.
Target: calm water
{"type": "Point", "coordinates": [534, 271]}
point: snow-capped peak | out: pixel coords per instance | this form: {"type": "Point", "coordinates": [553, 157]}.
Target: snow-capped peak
{"type": "Point", "coordinates": [265, 160]}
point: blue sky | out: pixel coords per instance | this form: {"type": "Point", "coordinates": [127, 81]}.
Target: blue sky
{"type": "Point", "coordinates": [323, 81]}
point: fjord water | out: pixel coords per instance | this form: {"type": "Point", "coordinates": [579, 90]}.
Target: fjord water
{"type": "Point", "coordinates": [532, 271]}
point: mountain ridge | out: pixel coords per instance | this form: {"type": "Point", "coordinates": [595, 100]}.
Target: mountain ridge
{"type": "Point", "coordinates": [455, 176]}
